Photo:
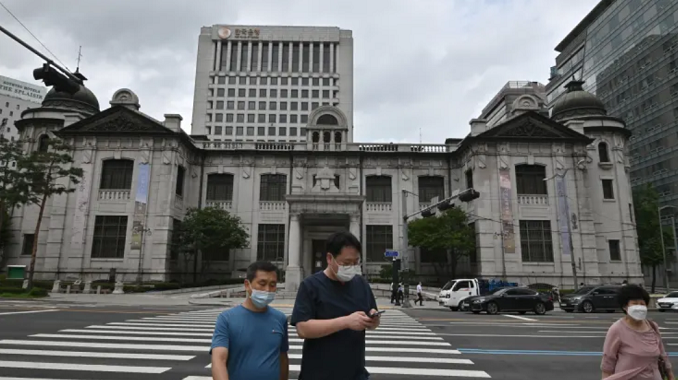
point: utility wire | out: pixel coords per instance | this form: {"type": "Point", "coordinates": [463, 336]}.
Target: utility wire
{"type": "Point", "coordinates": [31, 33]}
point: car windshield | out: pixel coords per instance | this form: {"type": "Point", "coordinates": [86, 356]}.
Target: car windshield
{"type": "Point", "coordinates": [448, 286]}
{"type": "Point", "coordinates": [496, 291]}
{"type": "Point", "coordinates": [672, 295]}
{"type": "Point", "coordinates": [500, 291]}
{"type": "Point", "coordinates": [584, 290]}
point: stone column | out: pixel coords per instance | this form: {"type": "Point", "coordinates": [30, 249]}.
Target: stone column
{"type": "Point", "coordinates": [293, 275]}
{"type": "Point", "coordinates": [354, 226]}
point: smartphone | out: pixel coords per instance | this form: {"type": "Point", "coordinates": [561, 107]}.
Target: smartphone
{"type": "Point", "coordinates": [378, 313]}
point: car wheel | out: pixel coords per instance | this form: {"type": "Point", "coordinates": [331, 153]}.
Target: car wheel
{"type": "Point", "coordinates": [476, 312]}
{"type": "Point", "coordinates": [587, 307]}
{"type": "Point", "coordinates": [492, 308]}
{"type": "Point", "coordinates": [661, 310]}
{"type": "Point", "coordinates": [461, 306]}
{"type": "Point", "coordinates": [453, 308]}
{"type": "Point", "coordinates": [540, 309]}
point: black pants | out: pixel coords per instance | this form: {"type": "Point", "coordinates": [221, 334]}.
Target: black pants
{"type": "Point", "coordinates": [419, 299]}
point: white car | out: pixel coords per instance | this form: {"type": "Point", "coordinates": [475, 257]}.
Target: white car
{"type": "Point", "coordinates": [668, 302]}
{"type": "Point", "coordinates": [455, 291]}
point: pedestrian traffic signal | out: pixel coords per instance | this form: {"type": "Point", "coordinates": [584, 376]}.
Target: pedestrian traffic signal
{"type": "Point", "coordinates": [446, 205]}
{"type": "Point", "coordinates": [428, 213]}
{"type": "Point", "coordinates": [468, 195]}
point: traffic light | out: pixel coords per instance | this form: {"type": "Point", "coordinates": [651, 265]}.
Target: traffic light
{"type": "Point", "coordinates": [468, 195]}
{"type": "Point", "coordinates": [51, 77]}
{"type": "Point", "coordinates": [446, 205]}
{"type": "Point", "coordinates": [428, 213]}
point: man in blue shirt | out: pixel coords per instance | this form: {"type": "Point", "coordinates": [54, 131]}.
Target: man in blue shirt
{"type": "Point", "coordinates": [250, 340]}
{"type": "Point", "coordinates": [332, 311]}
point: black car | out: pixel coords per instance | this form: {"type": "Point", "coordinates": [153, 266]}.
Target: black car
{"type": "Point", "coordinates": [521, 300]}
{"type": "Point", "coordinates": [591, 298]}
{"type": "Point", "coordinates": [466, 302]}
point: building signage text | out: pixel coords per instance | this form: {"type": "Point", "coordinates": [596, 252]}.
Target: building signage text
{"type": "Point", "coordinates": [239, 33]}
{"type": "Point", "coordinates": [21, 90]}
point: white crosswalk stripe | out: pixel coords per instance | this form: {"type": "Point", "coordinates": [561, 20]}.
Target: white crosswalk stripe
{"type": "Point", "coordinates": [402, 347]}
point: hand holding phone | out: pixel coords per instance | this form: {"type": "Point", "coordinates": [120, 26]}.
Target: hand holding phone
{"type": "Point", "coordinates": [378, 313]}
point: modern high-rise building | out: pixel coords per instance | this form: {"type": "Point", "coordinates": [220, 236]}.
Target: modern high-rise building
{"type": "Point", "coordinates": [15, 97]}
{"type": "Point", "coordinates": [261, 83]}
{"type": "Point", "coordinates": [626, 51]}
{"type": "Point", "coordinates": [512, 99]}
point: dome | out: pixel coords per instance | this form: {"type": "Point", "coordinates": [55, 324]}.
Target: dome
{"type": "Point", "coordinates": [83, 100]}
{"type": "Point", "coordinates": [576, 103]}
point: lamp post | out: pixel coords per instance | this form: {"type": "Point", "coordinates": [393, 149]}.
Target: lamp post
{"type": "Point", "coordinates": [661, 235]}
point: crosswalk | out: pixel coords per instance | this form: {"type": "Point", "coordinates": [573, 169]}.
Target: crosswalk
{"type": "Point", "coordinates": [176, 346]}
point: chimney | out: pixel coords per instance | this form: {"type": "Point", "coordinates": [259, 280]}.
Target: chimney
{"type": "Point", "coordinates": [478, 126]}
{"type": "Point", "coordinates": [173, 122]}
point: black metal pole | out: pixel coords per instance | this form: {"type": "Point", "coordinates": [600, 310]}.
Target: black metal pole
{"type": "Point", "coordinates": [396, 268]}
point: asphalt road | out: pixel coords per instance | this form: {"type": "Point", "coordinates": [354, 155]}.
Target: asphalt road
{"type": "Point", "coordinates": [518, 347]}
{"type": "Point", "coordinates": [75, 342]}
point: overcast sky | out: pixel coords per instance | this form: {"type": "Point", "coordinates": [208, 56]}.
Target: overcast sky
{"type": "Point", "coordinates": [425, 64]}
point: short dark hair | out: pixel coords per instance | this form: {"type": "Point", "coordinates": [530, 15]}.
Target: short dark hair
{"type": "Point", "coordinates": [264, 266]}
{"type": "Point", "coordinates": [340, 240]}
{"type": "Point", "coordinates": [630, 293]}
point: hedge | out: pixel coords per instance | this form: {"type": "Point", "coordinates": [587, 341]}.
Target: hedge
{"type": "Point", "coordinates": [35, 292]}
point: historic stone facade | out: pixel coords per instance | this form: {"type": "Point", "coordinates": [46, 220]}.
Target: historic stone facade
{"type": "Point", "coordinates": [535, 176]}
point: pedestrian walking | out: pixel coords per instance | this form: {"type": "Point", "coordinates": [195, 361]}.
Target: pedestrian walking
{"type": "Point", "coordinates": [401, 292]}
{"type": "Point", "coordinates": [332, 311]}
{"type": "Point", "coordinates": [250, 340]}
{"type": "Point", "coordinates": [420, 295]}
{"type": "Point", "coordinates": [633, 348]}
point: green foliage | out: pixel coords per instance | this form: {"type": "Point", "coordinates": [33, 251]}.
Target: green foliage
{"type": "Point", "coordinates": [14, 185]}
{"type": "Point", "coordinates": [23, 293]}
{"type": "Point", "coordinates": [210, 229]}
{"type": "Point", "coordinates": [646, 203]}
{"type": "Point", "coordinates": [448, 231]}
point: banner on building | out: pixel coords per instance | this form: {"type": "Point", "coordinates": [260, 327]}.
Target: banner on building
{"type": "Point", "coordinates": [140, 204]}
{"type": "Point", "coordinates": [563, 212]}
{"type": "Point", "coordinates": [506, 213]}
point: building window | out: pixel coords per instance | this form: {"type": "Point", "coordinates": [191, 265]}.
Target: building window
{"type": "Point", "coordinates": [110, 233]}
{"type": "Point", "coordinates": [530, 179]}
{"type": "Point", "coordinates": [430, 187]}
{"type": "Point", "coordinates": [273, 187]}
{"type": "Point", "coordinates": [378, 188]}
{"type": "Point", "coordinates": [615, 252]}
{"type": "Point", "coordinates": [220, 187]}
{"type": "Point", "coordinates": [536, 240]}
{"type": "Point", "coordinates": [117, 175]}
{"type": "Point", "coordinates": [608, 190]}
{"type": "Point", "coordinates": [271, 242]}
{"type": "Point", "coordinates": [469, 179]}
{"type": "Point", "coordinates": [379, 240]}
{"type": "Point", "coordinates": [181, 174]}
{"type": "Point", "coordinates": [27, 247]}
{"type": "Point", "coordinates": [603, 153]}
{"type": "Point", "coordinates": [43, 144]}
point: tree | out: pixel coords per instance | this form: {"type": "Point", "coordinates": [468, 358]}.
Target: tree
{"type": "Point", "coordinates": [210, 229]}
{"type": "Point", "coordinates": [49, 172]}
{"type": "Point", "coordinates": [646, 209]}
{"type": "Point", "coordinates": [448, 231]}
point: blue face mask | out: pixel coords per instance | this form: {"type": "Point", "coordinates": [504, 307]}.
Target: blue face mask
{"type": "Point", "coordinates": [261, 299]}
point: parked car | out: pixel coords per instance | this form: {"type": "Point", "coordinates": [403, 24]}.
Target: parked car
{"type": "Point", "coordinates": [668, 302]}
{"type": "Point", "coordinates": [591, 298]}
{"type": "Point", "coordinates": [455, 291]}
{"type": "Point", "coordinates": [521, 300]}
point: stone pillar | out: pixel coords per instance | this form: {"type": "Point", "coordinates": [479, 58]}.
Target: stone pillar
{"type": "Point", "coordinates": [293, 275]}
{"type": "Point", "coordinates": [354, 226]}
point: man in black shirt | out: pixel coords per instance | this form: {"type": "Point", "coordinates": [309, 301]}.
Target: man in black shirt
{"type": "Point", "coordinates": [332, 311]}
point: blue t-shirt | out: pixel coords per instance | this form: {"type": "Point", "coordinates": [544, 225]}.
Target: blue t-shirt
{"type": "Point", "coordinates": [254, 342]}
{"type": "Point", "coordinates": [340, 356]}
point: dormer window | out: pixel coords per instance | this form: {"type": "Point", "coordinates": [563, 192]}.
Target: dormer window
{"type": "Point", "coordinates": [603, 153]}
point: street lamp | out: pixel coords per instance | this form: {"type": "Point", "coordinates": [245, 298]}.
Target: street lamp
{"type": "Point", "coordinates": [661, 235]}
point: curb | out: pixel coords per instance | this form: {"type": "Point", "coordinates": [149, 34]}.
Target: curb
{"type": "Point", "coordinates": [217, 303]}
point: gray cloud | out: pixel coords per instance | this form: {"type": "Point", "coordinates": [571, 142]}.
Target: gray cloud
{"type": "Point", "coordinates": [429, 65]}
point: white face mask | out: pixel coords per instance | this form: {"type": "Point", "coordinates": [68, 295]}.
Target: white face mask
{"type": "Point", "coordinates": [637, 312]}
{"type": "Point", "coordinates": [345, 273]}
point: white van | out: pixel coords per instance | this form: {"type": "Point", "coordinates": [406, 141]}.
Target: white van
{"type": "Point", "coordinates": [456, 291]}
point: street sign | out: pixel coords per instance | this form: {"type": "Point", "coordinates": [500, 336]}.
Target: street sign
{"type": "Point", "coordinates": [391, 254]}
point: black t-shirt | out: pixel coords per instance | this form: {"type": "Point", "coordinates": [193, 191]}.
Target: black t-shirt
{"type": "Point", "coordinates": [339, 356]}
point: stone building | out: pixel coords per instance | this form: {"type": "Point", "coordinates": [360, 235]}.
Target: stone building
{"type": "Point", "coordinates": [141, 176]}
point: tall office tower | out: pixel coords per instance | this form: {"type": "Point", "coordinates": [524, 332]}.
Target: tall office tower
{"type": "Point", "coordinates": [514, 98]}
{"type": "Point", "coordinates": [261, 83]}
{"type": "Point", "coordinates": [16, 97]}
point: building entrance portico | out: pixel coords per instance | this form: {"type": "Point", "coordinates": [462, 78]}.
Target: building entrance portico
{"type": "Point", "coordinates": [312, 220]}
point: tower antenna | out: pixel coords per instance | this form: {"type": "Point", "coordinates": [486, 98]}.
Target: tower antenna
{"type": "Point", "coordinates": [77, 69]}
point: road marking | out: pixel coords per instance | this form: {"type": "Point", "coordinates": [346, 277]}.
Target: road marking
{"type": "Point", "coordinates": [100, 355]}
{"type": "Point", "coordinates": [28, 312]}
{"type": "Point", "coordinates": [521, 318]}
{"type": "Point", "coordinates": [82, 367]}
{"type": "Point", "coordinates": [128, 338]}
{"type": "Point", "coordinates": [160, 347]}
{"type": "Point", "coordinates": [521, 336]}
{"type": "Point", "coordinates": [416, 371]}
{"type": "Point", "coordinates": [147, 328]}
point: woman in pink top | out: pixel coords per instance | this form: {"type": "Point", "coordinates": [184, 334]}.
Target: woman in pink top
{"type": "Point", "coordinates": [633, 347]}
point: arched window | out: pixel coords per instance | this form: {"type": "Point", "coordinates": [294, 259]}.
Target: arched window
{"type": "Point", "coordinates": [327, 120]}
{"type": "Point", "coordinates": [327, 137]}
{"type": "Point", "coordinates": [43, 144]}
{"type": "Point", "coordinates": [316, 137]}
{"type": "Point", "coordinates": [117, 175]}
{"type": "Point", "coordinates": [603, 154]}
{"type": "Point", "coordinates": [337, 137]}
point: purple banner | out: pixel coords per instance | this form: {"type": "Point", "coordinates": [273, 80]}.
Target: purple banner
{"type": "Point", "coordinates": [563, 212]}
{"type": "Point", "coordinates": [506, 213]}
